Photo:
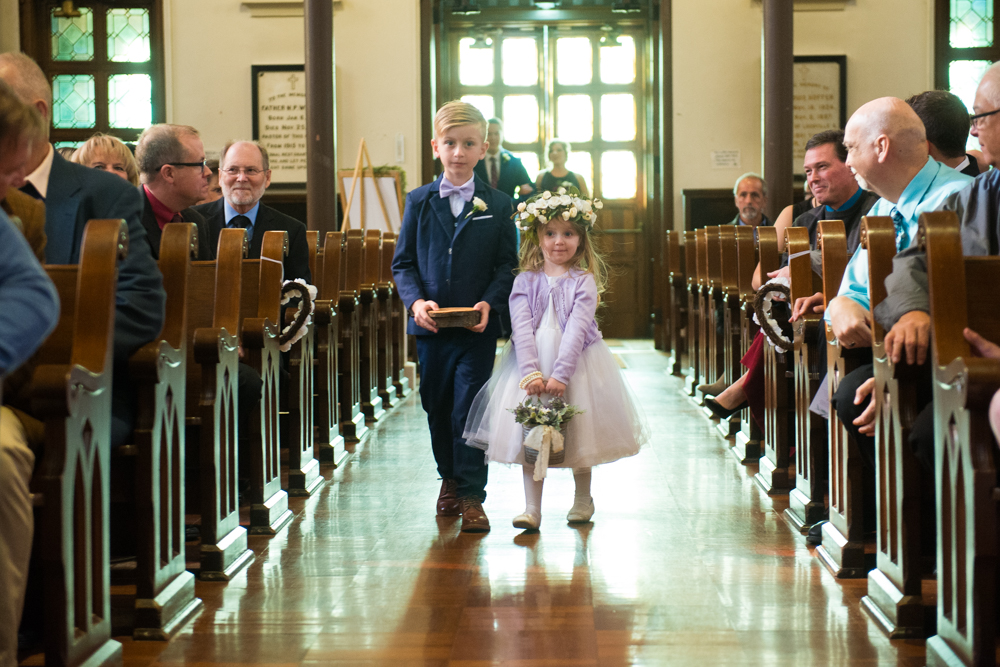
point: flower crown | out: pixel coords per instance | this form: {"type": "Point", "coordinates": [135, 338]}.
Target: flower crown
{"type": "Point", "coordinates": [564, 204]}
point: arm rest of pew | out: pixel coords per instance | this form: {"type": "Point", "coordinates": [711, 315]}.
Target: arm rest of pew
{"type": "Point", "coordinates": [349, 300]}
{"type": "Point", "coordinates": [324, 313]}
{"type": "Point", "coordinates": [55, 387]}
{"type": "Point", "coordinates": [212, 345]}
{"type": "Point", "coordinates": [977, 378]}
{"type": "Point", "coordinates": [256, 330]}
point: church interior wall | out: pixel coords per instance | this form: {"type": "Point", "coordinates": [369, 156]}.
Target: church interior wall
{"type": "Point", "coordinates": [717, 73]}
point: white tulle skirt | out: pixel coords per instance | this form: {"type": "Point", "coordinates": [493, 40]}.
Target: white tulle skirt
{"type": "Point", "coordinates": [611, 427]}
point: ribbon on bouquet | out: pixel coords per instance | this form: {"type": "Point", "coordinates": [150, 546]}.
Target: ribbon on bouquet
{"type": "Point", "coordinates": [544, 440]}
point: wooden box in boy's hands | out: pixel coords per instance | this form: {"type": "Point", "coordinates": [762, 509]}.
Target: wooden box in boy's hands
{"type": "Point", "coordinates": [455, 317]}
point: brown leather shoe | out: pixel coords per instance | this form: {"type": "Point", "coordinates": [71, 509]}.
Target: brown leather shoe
{"type": "Point", "coordinates": [448, 499]}
{"type": "Point", "coordinates": [474, 519]}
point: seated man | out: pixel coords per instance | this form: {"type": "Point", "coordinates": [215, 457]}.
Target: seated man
{"type": "Point", "coordinates": [946, 121]}
{"type": "Point", "coordinates": [171, 160]}
{"type": "Point", "coordinates": [244, 174]}
{"type": "Point", "coordinates": [73, 195]}
{"type": "Point", "coordinates": [887, 148]}
{"type": "Point", "coordinates": [750, 196]}
{"type": "Point", "coordinates": [30, 310]}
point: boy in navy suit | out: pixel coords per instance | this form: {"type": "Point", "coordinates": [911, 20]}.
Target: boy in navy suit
{"type": "Point", "coordinates": [457, 247]}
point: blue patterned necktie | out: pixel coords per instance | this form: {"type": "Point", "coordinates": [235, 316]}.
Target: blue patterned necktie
{"type": "Point", "coordinates": [902, 236]}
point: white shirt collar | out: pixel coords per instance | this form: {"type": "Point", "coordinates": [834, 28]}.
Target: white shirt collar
{"type": "Point", "coordinates": [963, 164]}
{"type": "Point", "coordinates": [40, 176]}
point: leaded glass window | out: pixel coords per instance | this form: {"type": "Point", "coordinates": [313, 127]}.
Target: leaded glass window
{"type": "Point", "coordinates": [73, 103]}
{"type": "Point", "coordinates": [72, 36]}
{"type": "Point", "coordinates": [966, 47]}
{"type": "Point", "coordinates": [128, 35]}
{"type": "Point", "coordinates": [971, 23]}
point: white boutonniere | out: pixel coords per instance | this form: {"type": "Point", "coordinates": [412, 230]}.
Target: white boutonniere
{"type": "Point", "coordinates": [505, 157]}
{"type": "Point", "coordinates": [478, 205]}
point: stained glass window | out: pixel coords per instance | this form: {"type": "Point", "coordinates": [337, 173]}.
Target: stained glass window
{"type": "Point", "coordinates": [520, 119]}
{"type": "Point", "coordinates": [574, 61]}
{"type": "Point", "coordinates": [73, 37]}
{"type": "Point", "coordinates": [575, 114]}
{"type": "Point", "coordinates": [618, 61]}
{"type": "Point", "coordinates": [520, 61]}
{"type": "Point", "coordinates": [484, 103]}
{"type": "Point", "coordinates": [475, 65]}
{"type": "Point", "coordinates": [971, 23]}
{"type": "Point", "coordinates": [128, 35]}
{"type": "Point", "coordinates": [618, 175]}
{"type": "Point", "coordinates": [618, 117]}
{"type": "Point", "coordinates": [73, 103]}
{"type": "Point", "coordinates": [130, 100]}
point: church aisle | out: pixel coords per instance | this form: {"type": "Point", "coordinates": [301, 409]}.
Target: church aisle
{"type": "Point", "coordinates": [687, 563]}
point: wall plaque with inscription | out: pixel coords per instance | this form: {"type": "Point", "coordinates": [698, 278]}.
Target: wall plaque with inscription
{"type": "Point", "coordinates": [279, 119]}
{"type": "Point", "coordinates": [820, 100]}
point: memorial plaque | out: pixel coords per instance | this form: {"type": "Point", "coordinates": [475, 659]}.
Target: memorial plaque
{"type": "Point", "coordinates": [279, 119]}
{"type": "Point", "coordinates": [820, 100]}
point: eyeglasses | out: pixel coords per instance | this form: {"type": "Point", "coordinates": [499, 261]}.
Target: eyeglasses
{"type": "Point", "coordinates": [201, 165]}
{"type": "Point", "coordinates": [975, 119]}
{"type": "Point", "coordinates": [249, 171]}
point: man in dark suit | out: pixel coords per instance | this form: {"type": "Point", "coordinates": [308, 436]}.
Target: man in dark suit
{"type": "Point", "coordinates": [73, 195]}
{"type": "Point", "coordinates": [500, 169]}
{"type": "Point", "coordinates": [244, 174]}
{"type": "Point", "coordinates": [946, 120]}
{"type": "Point", "coordinates": [171, 161]}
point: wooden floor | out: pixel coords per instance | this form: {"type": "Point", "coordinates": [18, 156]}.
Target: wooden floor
{"type": "Point", "coordinates": [686, 563]}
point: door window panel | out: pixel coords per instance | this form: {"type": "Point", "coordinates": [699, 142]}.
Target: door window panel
{"type": "Point", "coordinates": [530, 162]}
{"type": "Point", "coordinates": [618, 117]}
{"type": "Point", "coordinates": [72, 36]}
{"type": "Point", "coordinates": [575, 114]}
{"type": "Point", "coordinates": [963, 78]}
{"type": "Point", "coordinates": [130, 100]}
{"type": "Point", "coordinates": [520, 119]}
{"type": "Point", "coordinates": [128, 35]}
{"type": "Point", "coordinates": [618, 61]}
{"type": "Point", "coordinates": [618, 175]}
{"type": "Point", "coordinates": [574, 61]}
{"type": "Point", "coordinates": [482, 102]}
{"type": "Point", "coordinates": [519, 61]}
{"type": "Point", "coordinates": [475, 65]}
{"type": "Point", "coordinates": [581, 164]}
{"type": "Point", "coordinates": [73, 103]}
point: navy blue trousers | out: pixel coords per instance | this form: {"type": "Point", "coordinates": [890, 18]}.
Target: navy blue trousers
{"type": "Point", "coordinates": [454, 366]}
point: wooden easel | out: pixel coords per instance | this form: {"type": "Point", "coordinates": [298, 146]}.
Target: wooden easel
{"type": "Point", "coordinates": [357, 182]}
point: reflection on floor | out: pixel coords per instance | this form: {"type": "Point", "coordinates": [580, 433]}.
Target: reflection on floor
{"type": "Point", "coordinates": [686, 563]}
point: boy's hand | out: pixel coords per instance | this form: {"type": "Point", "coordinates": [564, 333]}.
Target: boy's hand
{"type": "Point", "coordinates": [910, 334]}
{"type": "Point", "coordinates": [806, 304]}
{"type": "Point", "coordinates": [420, 316]}
{"type": "Point", "coordinates": [555, 387]}
{"type": "Point", "coordinates": [484, 318]}
{"type": "Point", "coordinates": [866, 420]}
{"type": "Point", "coordinates": [535, 387]}
{"type": "Point", "coordinates": [783, 272]}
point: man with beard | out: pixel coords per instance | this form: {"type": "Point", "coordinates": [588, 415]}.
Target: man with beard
{"type": "Point", "coordinates": [750, 194]}
{"type": "Point", "coordinates": [244, 174]}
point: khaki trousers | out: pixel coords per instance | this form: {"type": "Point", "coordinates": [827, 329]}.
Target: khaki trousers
{"type": "Point", "coordinates": [16, 527]}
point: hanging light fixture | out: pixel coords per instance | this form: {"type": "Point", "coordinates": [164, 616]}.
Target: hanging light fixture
{"type": "Point", "coordinates": [481, 41]}
{"type": "Point", "coordinates": [610, 35]}
{"type": "Point", "coordinates": [546, 4]}
{"type": "Point", "coordinates": [67, 10]}
{"type": "Point", "coordinates": [465, 7]}
{"type": "Point", "coordinates": [626, 6]}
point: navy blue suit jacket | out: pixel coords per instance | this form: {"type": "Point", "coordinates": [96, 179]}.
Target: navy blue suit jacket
{"type": "Point", "coordinates": [512, 173]}
{"type": "Point", "coordinates": [76, 195]}
{"type": "Point", "coordinates": [457, 262]}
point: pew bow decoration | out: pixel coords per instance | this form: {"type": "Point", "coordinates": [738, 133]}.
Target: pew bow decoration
{"type": "Point", "coordinates": [763, 303]}
{"type": "Point", "coordinates": [543, 426]}
{"type": "Point", "coordinates": [306, 294]}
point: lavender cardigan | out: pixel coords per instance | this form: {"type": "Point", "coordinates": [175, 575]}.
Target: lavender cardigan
{"type": "Point", "coordinates": [575, 301]}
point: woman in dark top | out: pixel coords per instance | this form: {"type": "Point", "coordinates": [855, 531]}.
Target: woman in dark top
{"type": "Point", "coordinates": [555, 177]}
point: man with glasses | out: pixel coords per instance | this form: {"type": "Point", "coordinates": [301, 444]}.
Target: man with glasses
{"type": "Point", "coordinates": [174, 176]}
{"type": "Point", "coordinates": [244, 174]}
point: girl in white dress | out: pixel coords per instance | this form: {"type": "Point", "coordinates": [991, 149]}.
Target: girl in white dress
{"type": "Point", "coordinates": [556, 349]}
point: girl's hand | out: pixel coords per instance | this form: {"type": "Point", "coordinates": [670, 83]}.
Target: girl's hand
{"type": "Point", "coordinates": [535, 387]}
{"type": "Point", "coordinates": [555, 387]}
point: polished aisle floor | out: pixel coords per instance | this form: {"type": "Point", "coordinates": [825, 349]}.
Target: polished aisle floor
{"type": "Point", "coordinates": [686, 563]}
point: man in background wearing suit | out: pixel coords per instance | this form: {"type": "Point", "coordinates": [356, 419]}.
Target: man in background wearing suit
{"type": "Point", "coordinates": [244, 174]}
{"type": "Point", "coordinates": [171, 161]}
{"type": "Point", "coordinates": [500, 168]}
{"type": "Point", "coordinates": [73, 195]}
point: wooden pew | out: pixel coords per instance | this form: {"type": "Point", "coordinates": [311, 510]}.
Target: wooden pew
{"type": "Point", "coordinates": [731, 304]}
{"type": "Point", "coordinates": [260, 315]}
{"type": "Point", "coordinates": [775, 475]}
{"type": "Point", "coordinates": [148, 474]}
{"type": "Point", "coordinates": [713, 296]}
{"type": "Point", "coordinates": [843, 548]}
{"type": "Point", "coordinates": [965, 448]}
{"type": "Point", "coordinates": [367, 313]}
{"type": "Point", "coordinates": [894, 597]}
{"type": "Point", "coordinates": [352, 419]}
{"type": "Point", "coordinates": [705, 314]}
{"type": "Point", "coordinates": [298, 403]}
{"type": "Point", "coordinates": [71, 395]}
{"type": "Point", "coordinates": [806, 504]}
{"type": "Point", "coordinates": [746, 446]}
{"type": "Point", "coordinates": [376, 247]}
{"type": "Point", "coordinates": [662, 295]}
{"type": "Point", "coordinates": [693, 312]}
{"type": "Point", "coordinates": [326, 325]}
{"type": "Point", "coordinates": [397, 314]}
{"type": "Point", "coordinates": [213, 321]}
{"type": "Point", "coordinates": [677, 322]}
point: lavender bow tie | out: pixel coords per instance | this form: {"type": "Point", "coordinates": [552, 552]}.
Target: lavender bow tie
{"type": "Point", "coordinates": [467, 190]}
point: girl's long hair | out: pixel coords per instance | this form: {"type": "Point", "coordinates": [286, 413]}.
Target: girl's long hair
{"type": "Point", "coordinates": [587, 258]}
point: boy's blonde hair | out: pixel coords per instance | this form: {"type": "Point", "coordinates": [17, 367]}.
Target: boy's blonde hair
{"type": "Point", "coordinates": [114, 147]}
{"type": "Point", "coordinates": [587, 258]}
{"type": "Point", "coordinates": [457, 113]}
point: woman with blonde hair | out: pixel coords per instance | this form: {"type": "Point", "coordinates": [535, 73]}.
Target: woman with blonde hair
{"type": "Point", "coordinates": [107, 153]}
{"type": "Point", "coordinates": [559, 176]}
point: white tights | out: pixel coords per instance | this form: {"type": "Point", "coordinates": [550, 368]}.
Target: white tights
{"type": "Point", "coordinates": [533, 489]}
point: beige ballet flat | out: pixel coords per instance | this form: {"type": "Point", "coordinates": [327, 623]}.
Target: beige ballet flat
{"type": "Point", "coordinates": [581, 512]}
{"type": "Point", "coordinates": [527, 521]}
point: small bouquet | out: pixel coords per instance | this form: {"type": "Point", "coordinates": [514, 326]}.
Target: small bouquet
{"type": "Point", "coordinates": [565, 204]}
{"type": "Point", "coordinates": [543, 427]}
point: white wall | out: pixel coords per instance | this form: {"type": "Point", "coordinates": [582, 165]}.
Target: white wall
{"type": "Point", "coordinates": [10, 27]}
{"type": "Point", "coordinates": [210, 46]}
{"type": "Point", "coordinates": [717, 78]}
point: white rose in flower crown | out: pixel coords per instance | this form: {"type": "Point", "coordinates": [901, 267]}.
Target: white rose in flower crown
{"type": "Point", "coordinates": [566, 200]}
{"type": "Point", "coordinates": [598, 204]}
{"type": "Point", "coordinates": [541, 204]}
{"type": "Point", "coordinates": [541, 219]}
{"type": "Point", "coordinates": [565, 215]}
{"type": "Point", "coordinates": [561, 191]}
{"type": "Point", "coordinates": [521, 206]}
{"type": "Point", "coordinates": [585, 206]}
{"type": "Point", "coordinates": [573, 212]}
{"type": "Point", "coordinates": [525, 215]}
{"type": "Point", "coordinates": [546, 194]}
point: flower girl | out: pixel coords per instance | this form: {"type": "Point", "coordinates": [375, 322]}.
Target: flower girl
{"type": "Point", "coordinates": [556, 351]}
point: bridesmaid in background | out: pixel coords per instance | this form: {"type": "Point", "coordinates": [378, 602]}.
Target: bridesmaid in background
{"type": "Point", "coordinates": [558, 174]}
